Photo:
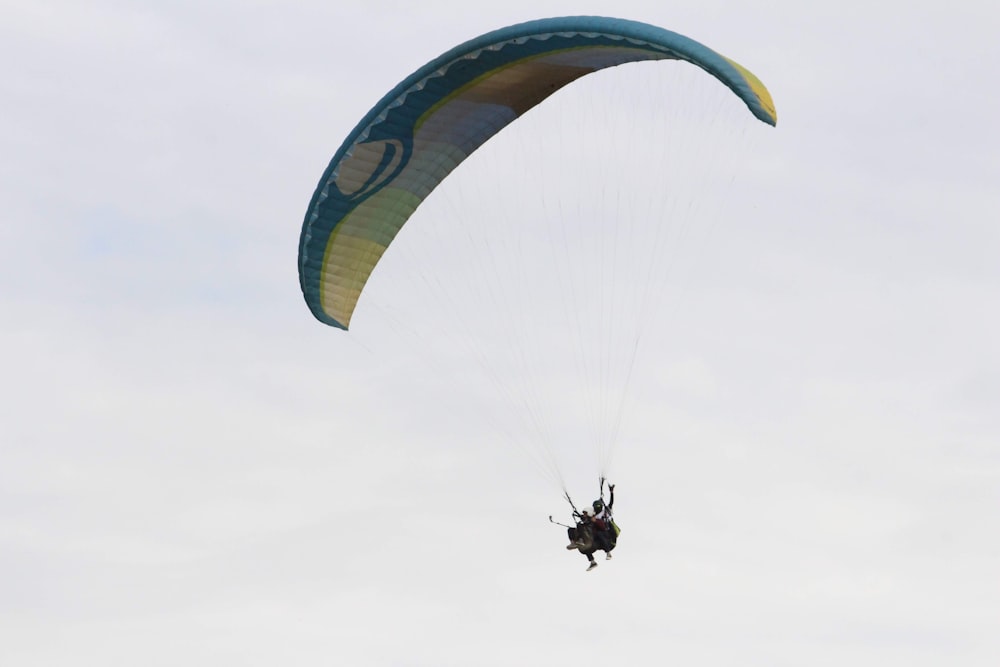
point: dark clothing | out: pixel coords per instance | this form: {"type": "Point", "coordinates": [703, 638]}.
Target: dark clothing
{"type": "Point", "coordinates": [576, 534]}
{"type": "Point", "coordinates": [605, 539]}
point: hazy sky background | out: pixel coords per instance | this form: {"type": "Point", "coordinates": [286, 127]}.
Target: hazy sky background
{"type": "Point", "coordinates": [195, 471]}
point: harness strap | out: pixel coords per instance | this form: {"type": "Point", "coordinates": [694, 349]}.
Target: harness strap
{"type": "Point", "coordinates": [576, 512]}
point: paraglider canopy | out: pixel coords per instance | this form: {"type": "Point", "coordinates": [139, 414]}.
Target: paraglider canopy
{"type": "Point", "coordinates": [427, 125]}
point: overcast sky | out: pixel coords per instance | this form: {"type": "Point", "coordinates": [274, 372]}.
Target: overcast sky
{"type": "Point", "coordinates": [193, 470]}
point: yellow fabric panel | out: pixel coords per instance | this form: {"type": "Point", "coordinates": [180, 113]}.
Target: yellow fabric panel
{"type": "Point", "coordinates": [356, 246]}
{"type": "Point", "coordinates": [758, 88]}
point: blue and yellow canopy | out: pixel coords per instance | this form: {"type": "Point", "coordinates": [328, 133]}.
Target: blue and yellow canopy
{"type": "Point", "coordinates": [428, 124]}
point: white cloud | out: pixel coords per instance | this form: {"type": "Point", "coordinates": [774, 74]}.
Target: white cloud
{"type": "Point", "coordinates": [193, 470]}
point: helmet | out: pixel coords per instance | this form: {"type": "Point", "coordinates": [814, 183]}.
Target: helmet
{"type": "Point", "coordinates": [598, 505]}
